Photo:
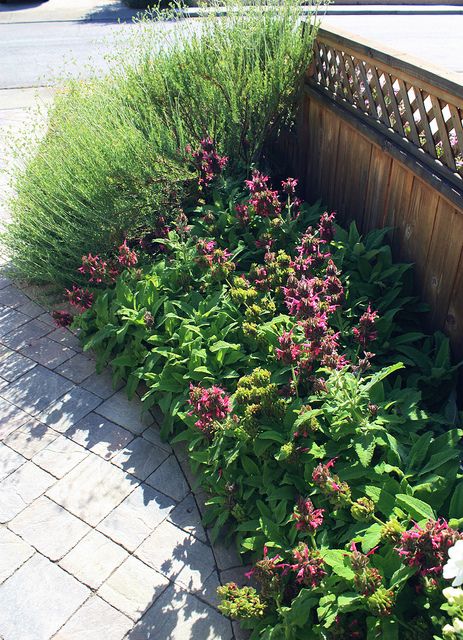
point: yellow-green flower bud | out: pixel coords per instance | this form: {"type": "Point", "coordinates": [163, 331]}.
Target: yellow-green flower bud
{"type": "Point", "coordinates": [362, 509]}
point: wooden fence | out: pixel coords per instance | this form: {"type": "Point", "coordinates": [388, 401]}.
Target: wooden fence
{"type": "Point", "coordinates": [380, 140]}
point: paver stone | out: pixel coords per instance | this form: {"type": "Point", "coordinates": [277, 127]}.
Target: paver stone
{"type": "Point", "coordinates": [21, 488]}
{"type": "Point", "coordinates": [30, 438]}
{"type": "Point", "coordinates": [38, 599]}
{"type": "Point", "coordinates": [133, 587]}
{"type": "Point", "coordinates": [177, 555]}
{"type": "Point", "coordinates": [60, 456]}
{"type": "Point", "coordinates": [9, 461]}
{"type": "Point", "coordinates": [126, 414]}
{"type": "Point", "coordinates": [186, 516]}
{"type": "Point", "coordinates": [93, 559]}
{"type": "Point", "coordinates": [66, 411]}
{"type": "Point", "coordinates": [100, 435]}
{"type": "Point", "coordinates": [136, 517]}
{"type": "Point", "coordinates": [13, 553]}
{"type": "Point", "coordinates": [77, 368]}
{"type": "Point", "coordinates": [178, 615]}
{"type": "Point", "coordinates": [169, 479]}
{"type": "Point", "coordinates": [36, 390]}
{"type": "Point", "coordinates": [95, 620]}
{"type": "Point", "coordinates": [140, 458]}
{"type": "Point", "coordinates": [49, 528]}
{"type": "Point", "coordinates": [92, 489]}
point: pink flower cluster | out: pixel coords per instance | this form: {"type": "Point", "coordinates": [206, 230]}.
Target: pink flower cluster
{"type": "Point", "coordinates": [268, 566]}
{"type": "Point", "coordinates": [207, 161]}
{"type": "Point", "coordinates": [307, 569]}
{"type": "Point", "coordinates": [312, 301]}
{"type": "Point", "coordinates": [98, 270]}
{"type": "Point", "coordinates": [331, 486]}
{"type": "Point", "coordinates": [365, 332]}
{"type": "Point", "coordinates": [311, 251]}
{"type": "Point", "coordinates": [308, 566]}
{"type": "Point", "coordinates": [208, 406]}
{"type": "Point", "coordinates": [307, 518]}
{"type": "Point", "coordinates": [289, 186]}
{"type": "Point", "coordinates": [215, 259]}
{"type": "Point", "coordinates": [208, 249]}
{"type": "Point", "coordinates": [263, 201]}
{"type": "Point", "coordinates": [427, 548]}
{"type": "Point", "coordinates": [126, 257]}
{"type": "Point", "coordinates": [79, 297]}
{"type": "Point", "coordinates": [289, 351]}
{"type": "Point", "coordinates": [367, 579]}
{"type": "Point", "coordinates": [101, 271]}
{"type": "Point", "coordinates": [62, 318]}
{"type": "Point", "coordinates": [308, 297]}
{"type": "Point", "coordinates": [326, 226]}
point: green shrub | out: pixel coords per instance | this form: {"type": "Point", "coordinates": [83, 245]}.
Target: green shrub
{"type": "Point", "coordinates": [113, 159]}
{"type": "Point", "coordinates": [286, 353]}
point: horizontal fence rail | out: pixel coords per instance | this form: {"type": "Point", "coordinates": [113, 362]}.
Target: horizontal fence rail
{"type": "Point", "coordinates": [419, 110]}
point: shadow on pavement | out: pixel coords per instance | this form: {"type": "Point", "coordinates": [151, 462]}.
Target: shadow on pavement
{"type": "Point", "coordinates": [112, 12]}
{"type": "Point", "coordinates": [5, 5]}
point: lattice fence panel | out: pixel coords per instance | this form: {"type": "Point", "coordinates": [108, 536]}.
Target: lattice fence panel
{"type": "Point", "coordinates": [431, 124]}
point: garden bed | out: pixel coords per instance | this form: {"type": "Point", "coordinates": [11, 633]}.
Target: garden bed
{"type": "Point", "coordinates": [285, 350]}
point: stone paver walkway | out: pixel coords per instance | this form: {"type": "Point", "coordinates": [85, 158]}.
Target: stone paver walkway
{"type": "Point", "coordinates": [100, 533]}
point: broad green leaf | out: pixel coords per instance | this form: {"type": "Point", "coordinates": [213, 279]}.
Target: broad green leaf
{"type": "Point", "coordinates": [338, 560]}
{"type": "Point", "coordinates": [350, 602]}
{"type": "Point", "coordinates": [299, 613]}
{"type": "Point", "coordinates": [419, 450]}
{"type": "Point", "coordinates": [384, 501]}
{"type": "Point", "coordinates": [389, 629]}
{"type": "Point", "coordinates": [416, 508]}
{"type": "Point", "coordinates": [365, 448]}
{"type": "Point", "coordinates": [456, 503]}
{"type": "Point", "coordinates": [371, 537]}
{"type": "Point", "coordinates": [401, 576]}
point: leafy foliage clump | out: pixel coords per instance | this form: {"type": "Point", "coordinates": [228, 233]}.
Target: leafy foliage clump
{"type": "Point", "coordinates": [113, 162]}
{"type": "Point", "coordinates": [315, 410]}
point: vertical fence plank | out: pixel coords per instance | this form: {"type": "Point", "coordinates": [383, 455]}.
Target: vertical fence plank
{"type": "Point", "coordinates": [443, 259]}
{"type": "Point", "coordinates": [397, 199]}
{"type": "Point", "coordinates": [454, 319]}
{"type": "Point", "coordinates": [377, 188]}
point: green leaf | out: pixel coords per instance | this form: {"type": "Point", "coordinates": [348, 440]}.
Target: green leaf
{"type": "Point", "coordinates": [384, 501]}
{"type": "Point", "coordinates": [401, 576]}
{"type": "Point", "coordinates": [456, 503]}
{"type": "Point", "coordinates": [221, 345]}
{"type": "Point", "coordinates": [417, 509]}
{"type": "Point", "coordinates": [439, 459]}
{"type": "Point", "coordinates": [338, 560]}
{"type": "Point", "coordinates": [350, 602]}
{"type": "Point", "coordinates": [299, 613]}
{"type": "Point", "coordinates": [272, 435]}
{"type": "Point", "coordinates": [365, 448]}
{"type": "Point", "coordinates": [384, 373]}
{"type": "Point", "coordinates": [371, 537]}
{"type": "Point", "coordinates": [249, 466]}
{"type": "Point", "coordinates": [419, 450]}
{"type": "Point", "coordinates": [389, 629]}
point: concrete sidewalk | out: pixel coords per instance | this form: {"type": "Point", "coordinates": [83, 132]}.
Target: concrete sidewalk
{"type": "Point", "coordinates": [66, 11]}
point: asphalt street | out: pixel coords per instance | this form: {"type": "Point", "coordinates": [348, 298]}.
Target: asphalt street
{"type": "Point", "coordinates": [37, 54]}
